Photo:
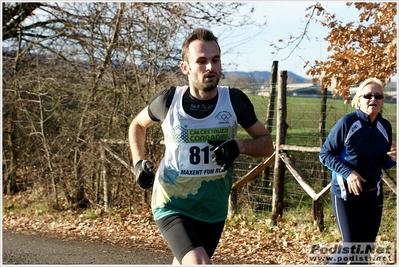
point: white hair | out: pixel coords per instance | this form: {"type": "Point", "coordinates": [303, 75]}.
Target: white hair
{"type": "Point", "coordinates": [355, 100]}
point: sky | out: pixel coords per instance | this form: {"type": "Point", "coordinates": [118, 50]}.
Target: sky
{"type": "Point", "coordinates": [284, 18]}
{"type": "Point", "coordinates": [252, 50]}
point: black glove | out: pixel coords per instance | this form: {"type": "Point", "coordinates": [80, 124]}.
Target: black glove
{"type": "Point", "coordinates": [144, 174]}
{"type": "Point", "coordinates": [224, 153]}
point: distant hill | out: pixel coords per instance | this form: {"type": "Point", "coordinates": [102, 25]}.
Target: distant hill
{"type": "Point", "coordinates": [260, 77]}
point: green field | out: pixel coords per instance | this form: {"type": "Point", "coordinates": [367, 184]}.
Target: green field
{"type": "Point", "coordinates": [303, 119]}
{"type": "Point", "coordinates": [303, 115]}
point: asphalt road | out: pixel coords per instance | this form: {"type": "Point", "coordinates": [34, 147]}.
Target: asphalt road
{"type": "Point", "coordinates": [39, 250]}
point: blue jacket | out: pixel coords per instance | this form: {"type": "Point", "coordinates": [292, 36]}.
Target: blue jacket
{"type": "Point", "coordinates": [356, 143]}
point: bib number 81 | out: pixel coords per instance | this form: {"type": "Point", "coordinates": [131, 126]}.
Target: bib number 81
{"type": "Point", "coordinates": [196, 153]}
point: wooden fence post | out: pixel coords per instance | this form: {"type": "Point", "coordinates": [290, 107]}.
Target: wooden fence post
{"type": "Point", "coordinates": [318, 214]}
{"type": "Point", "coordinates": [272, 97]}
{"type": "Point", "coordinates": [278, 176]}
{"type": "Point", "coordinates": [270, 114]}
{"type": "Point", "coordinates": [318, 209]}
{"type": "Point", "coordinates": [232, 203]}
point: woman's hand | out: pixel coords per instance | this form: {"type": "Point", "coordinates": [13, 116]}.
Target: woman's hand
{"type": "Point", "coordinates": [354, 182]}
{"type": "Point", "coordinates": [392, 153]}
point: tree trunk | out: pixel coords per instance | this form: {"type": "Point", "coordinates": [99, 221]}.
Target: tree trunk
{"type": "Point", "coordinates": [10, 174]}
{"type": "Point", "coordinates": [105, 180]}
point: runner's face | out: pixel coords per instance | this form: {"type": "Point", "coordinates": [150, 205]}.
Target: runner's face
{"type": "Point", "coordinates": [371, 106]}
{"type": "Point", "coordinates": [204, 65]}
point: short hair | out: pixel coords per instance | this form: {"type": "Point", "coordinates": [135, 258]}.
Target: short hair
{"type": "Point", "coordinates": [355, 100]}
{"type": "Point", "coordinates": [200, 34]}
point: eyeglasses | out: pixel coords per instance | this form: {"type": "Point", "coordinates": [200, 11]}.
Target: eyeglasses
{"type": "Point", "coordinates": [369, 96]}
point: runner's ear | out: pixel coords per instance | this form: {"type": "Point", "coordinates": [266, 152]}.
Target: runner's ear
{"type": "Point", "coordinates": [184, 67]}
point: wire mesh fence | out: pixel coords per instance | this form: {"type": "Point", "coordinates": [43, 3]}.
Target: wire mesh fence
{"type": "Point", "coordinates": [303, 117]}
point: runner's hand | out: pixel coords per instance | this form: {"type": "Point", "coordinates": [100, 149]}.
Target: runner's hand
{"type": "Point", "coordinates": [224, 153]}
{"type": "Point", "coordinates": [392, 153]}
{"type": "Point", "coordinates": [144, 174]}
{"type": "Point", "coordinates": [354, 181]}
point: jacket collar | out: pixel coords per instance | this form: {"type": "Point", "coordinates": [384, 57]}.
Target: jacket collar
{"type": "Point", "coordinates": [365, 117]}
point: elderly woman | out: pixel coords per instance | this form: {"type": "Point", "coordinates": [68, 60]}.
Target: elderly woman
{"type": "Point", "coordinates": [357, 149]}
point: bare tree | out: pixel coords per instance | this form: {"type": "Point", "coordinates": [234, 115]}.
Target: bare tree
{"type": "Point", "coordinates": [107, 60]}
{"type": "Point", "coordinates": [13, 15]}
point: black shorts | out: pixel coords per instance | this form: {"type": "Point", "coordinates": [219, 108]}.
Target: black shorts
{"type": "Point", "coordinates": [184, 234]}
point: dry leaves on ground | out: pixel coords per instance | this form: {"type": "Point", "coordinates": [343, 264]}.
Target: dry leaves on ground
{"type": "Point", "coordinates": [242, 242]}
